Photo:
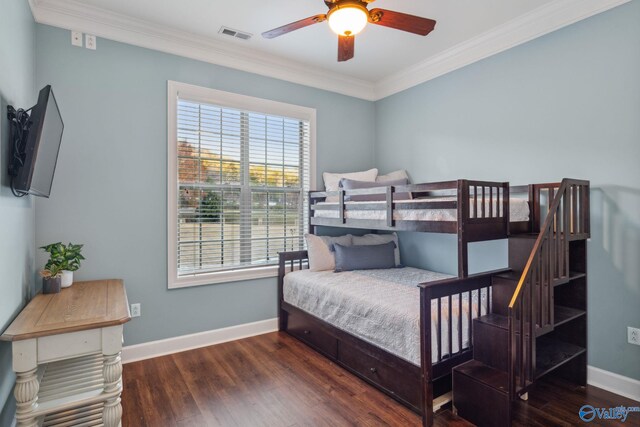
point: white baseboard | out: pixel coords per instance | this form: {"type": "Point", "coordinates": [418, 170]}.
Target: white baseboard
{"type": "Point", "coordinates": [147, 350]}
{"type": "Point", "coordinates": [615, 383]}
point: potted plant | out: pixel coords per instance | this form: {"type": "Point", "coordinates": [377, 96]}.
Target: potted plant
{"type": "Point", "coordinates": [51, 279]}
{"type": "Point", "coordinates": [66, 257]}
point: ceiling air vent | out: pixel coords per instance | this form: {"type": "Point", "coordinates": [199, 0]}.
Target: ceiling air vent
{"type": "Point", "coordinates": [234, 33]}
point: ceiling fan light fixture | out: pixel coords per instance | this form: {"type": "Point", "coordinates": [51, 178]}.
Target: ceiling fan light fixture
{"type": "Point", "coordinates": [348, 19]}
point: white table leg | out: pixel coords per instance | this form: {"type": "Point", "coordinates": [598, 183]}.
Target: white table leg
{"type": "Point", "coordinates": [112, 381]}
{"type": "Point", "coordinates": [112, 373]}
{"type": "Point", "coordinates": [27, 386]}
{"type": "Point", "coordinates": [26, 393]}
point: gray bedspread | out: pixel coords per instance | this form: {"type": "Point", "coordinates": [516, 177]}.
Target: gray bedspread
{"type": "Point", "coordinates": [381, 307]}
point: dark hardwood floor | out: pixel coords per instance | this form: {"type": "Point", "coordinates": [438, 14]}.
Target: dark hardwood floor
{"type": "Point", "coordinates": [274, 380]}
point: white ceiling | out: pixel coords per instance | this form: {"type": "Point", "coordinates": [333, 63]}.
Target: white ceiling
{"type": "Point", "coordinates": [380, 51]}
{"type": "Point", "coordinates": [385, 61]}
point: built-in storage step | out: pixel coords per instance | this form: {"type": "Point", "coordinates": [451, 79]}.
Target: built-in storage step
{"type": "Point", "coordinates": [551, 353]}
{"type": "Point", "coordinates": [481, 394]}
{"type": "Point", "coordinates": [493, 319]}
{"type": "Point", "coordinates": [574, 275]}
{"type": "Point", "coordinates": [563, 314]}
{"type": "Point", "coordinates": [505, 284]}
{"type": "Point", "coordinates": [490, 339]}
{"type": "Point", "coordinates": [483, 325]}
{"type": "Point", "coordinates": [312, 333]}
{"type": "Point", "coordinates": [401, 381]}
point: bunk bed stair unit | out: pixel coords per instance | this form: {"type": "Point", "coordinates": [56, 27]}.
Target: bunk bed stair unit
{"type": "Point", "coordinates": [486, 338]}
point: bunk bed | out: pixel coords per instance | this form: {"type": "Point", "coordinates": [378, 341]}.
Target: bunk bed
{"type": "Point", "coordinates": [434, 323]}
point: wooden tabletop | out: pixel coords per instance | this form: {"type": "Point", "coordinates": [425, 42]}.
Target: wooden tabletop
{"type": "Point", "coordinates": [85, 305]}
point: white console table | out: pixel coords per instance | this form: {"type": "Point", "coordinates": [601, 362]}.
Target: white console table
{"type": "Point", "coordinates": [66, 355]}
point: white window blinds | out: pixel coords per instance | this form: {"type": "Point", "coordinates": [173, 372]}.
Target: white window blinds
{"type": "Point", "coordinates": [242, 178]}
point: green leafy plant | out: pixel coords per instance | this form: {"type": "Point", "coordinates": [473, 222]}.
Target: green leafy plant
{"type": "Point", "coordinates": [51, 272]}
{"type": "Point", "coordinates": [63, 257]}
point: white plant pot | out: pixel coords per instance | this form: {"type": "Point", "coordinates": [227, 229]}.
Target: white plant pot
{"type": "Point", "coordinates": [67, 278]}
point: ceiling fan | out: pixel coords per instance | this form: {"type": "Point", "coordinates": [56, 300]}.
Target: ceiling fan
{"type": "Point", "coordinates": [348, 17]}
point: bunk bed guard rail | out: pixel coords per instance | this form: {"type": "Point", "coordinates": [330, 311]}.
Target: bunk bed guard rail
{"type": "Point", "coordinates": [481, 210]}
{"type": "Point", "coordinates": [475, 202]}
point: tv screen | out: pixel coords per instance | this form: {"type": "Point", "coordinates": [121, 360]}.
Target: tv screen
{"type": "Point", "coordinates": [42, 146]}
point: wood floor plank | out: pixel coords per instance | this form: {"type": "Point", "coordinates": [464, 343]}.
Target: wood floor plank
{"type": "Point", "coordinates": [182, 404]}
{"type": "Point", "coordinates": [274, 380]}
{"type": "Point", "coordinates": [204, 380]}
{"type": "Point", "coordinates": [132, 415]}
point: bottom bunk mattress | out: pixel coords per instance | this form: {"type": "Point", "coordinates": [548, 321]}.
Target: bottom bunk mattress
{"type": "Point", "coordinates": [381, 307]}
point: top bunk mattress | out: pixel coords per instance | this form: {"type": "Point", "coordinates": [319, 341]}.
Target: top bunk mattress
{"type": "Point", "coordinates": [518, 211]}
{"type": "Point", "coordinates": [381, 307]}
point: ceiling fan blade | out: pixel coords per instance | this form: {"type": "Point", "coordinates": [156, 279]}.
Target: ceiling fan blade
{"type": "Point", "coordinates": [294, 26]}
{"type": "Point", "coordinates": [346, 45]}
{"type": "Point", "coordinates": [402, 21]}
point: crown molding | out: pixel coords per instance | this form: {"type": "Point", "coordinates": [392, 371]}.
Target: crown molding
{"type": "Point", "coordinates": [538, 22]}
{"type": "Point", "coordinates": [77, 16]}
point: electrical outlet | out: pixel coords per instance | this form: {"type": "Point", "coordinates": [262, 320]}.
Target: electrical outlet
{"type": "Point", "coordinates": [76, 38]}
{"type": "Point", "coordinates": [90, 41]}
{"type": "Point", "coordinates": [136, 310]}
{"type": "Point", "coordinates": [633, 335]}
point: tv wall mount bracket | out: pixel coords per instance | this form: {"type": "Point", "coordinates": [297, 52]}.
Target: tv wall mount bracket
{"type": "Point", "coordinates": [19, 125]}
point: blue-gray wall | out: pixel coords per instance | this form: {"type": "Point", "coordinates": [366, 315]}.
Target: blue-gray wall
{"type": "Point", "coordinates": [110, 187]}
{"type": "Point", "coordinates": [564, 105]}
{"type": "Point", "coordinates": [17, 78]}
{"type": "Point", "coordinates": [574, 93]}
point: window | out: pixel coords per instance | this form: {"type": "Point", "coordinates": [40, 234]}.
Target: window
{"type": "Point", "coordinates": [239, 170]}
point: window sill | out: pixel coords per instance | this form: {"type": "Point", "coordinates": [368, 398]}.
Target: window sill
{"type": "Point", "coordinates": [223, 277]}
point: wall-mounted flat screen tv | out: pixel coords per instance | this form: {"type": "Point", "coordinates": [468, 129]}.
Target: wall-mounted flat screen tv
{"type": "Point", "coordinates": [41, 147]}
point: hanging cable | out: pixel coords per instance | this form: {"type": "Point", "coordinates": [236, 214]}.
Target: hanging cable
{"type": "Point", "coordinates": [19, 123]}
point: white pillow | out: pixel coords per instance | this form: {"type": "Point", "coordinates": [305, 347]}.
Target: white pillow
{"type": "Point", "coordinates": [332, 180]}
{"type": "Point", "coordinates": [378, 239]}
{"type": "Point", "coordinates": [321, 258]}
{"type": "Point", "coordinates": [393, 176]}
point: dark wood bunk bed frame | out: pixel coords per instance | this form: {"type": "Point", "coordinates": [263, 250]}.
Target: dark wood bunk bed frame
{"type": "Point", "coordinates": [477, 220]}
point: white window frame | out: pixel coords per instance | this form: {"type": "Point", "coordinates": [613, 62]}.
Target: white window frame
{"type": "Point", "coordinates": [239, 102]}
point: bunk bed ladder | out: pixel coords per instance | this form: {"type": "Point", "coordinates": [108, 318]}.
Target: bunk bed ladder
{"type": "Point", "coordinates": [538, 319]}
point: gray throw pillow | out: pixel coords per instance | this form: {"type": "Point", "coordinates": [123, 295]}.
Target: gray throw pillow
{"type": "Point", "coordinates": [351, 184]}
{"type": "Point", "coordinates": [364, 257]}
{"type": "Point", "coordinates": [377, 239]}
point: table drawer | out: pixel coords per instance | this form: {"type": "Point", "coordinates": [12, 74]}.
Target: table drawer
{"type": "Point", "coordinates": [403, 382]}
{"type": "Point", "coordinates": [72, 344]}
{"type": "Point", "coordinates": [312, 332]}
